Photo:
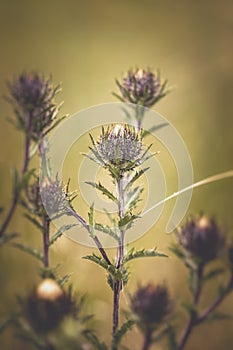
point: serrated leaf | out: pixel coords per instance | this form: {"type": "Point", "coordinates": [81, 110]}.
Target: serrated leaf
{"type": "Point", "coordinates": [108, 230]}
{"type": "Point", "coordinates": [91, 221]}
{"type": "Point", "coordinates": [212, 274]}
{"type": "Point", "coordinates": [7, 322]}
{"type": "Point", "coordinates": [142, 253]}
{"type": "Point", "coordinates": [94, 340]}
{"type": "Point", "coordinates": [29, 250]}
{"type": "Point", "coordinates": [136, 176]}
{"type": "Point", "coordinates": [5, 238]}
{"type": "Point", "coordinates": [132, 198]}
{"type": "Point", "coordinates": [103, 190]}
{"type": "Point", "coordinates": [117, 274]}
{"type": "Point", "coordinates": [121, 332]}
{"type": "Point", "coordinates": [97, 260]}
{"type": "Point", "coordinates": [34, 221]}
{"type": "Point", "coordinates": [60, 232]}
{"type": "Point", "coordinates": [127, 221]}
{"type": "Point", "coordinates": [61, 281]}
{"type": "Point", "coordinates": [218, 316]}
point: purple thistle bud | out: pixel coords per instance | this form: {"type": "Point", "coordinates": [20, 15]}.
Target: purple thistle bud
{"type": "Point", "coordinates": [202, 238]}
{"type": "Point", "coordinates": [151, 304]}
{"type": "Point", "coordinates": [33, 97]}
{"type": "Point", "coordinates": [47, 306]}
{"type": "Point", "coordinates": [142, 87]}
{"type": "Point", "coordinates": [119, 145]}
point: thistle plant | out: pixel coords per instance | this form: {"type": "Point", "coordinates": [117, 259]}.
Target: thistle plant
{"type": "Point", "coordinates": [121, 152]}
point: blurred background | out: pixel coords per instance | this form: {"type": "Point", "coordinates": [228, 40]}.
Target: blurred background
{"type": "Point", "coordinates": [85, 45]}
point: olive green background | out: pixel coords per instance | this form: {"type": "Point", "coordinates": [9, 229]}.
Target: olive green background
{"type": "Point", "coordinates": [85, 45]}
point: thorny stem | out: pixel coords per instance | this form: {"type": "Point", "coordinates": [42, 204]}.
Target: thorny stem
{"type": "Point", "coordinates": [192, 320]}
{"type": "Point", "coordinates": [117, 286]}
{"type": "Point", "coordinates": [95, 238]}
{"type": "Point", "coordinates": [206, 313]}
{"type": "Point", "coordinates": [147, 339]}
{"type": "Point", "coordinates": [16, 194]}
{"type": "Point", "coordinates": [46, 226]}
{"type": "Point", "coordinates": [216, 302]}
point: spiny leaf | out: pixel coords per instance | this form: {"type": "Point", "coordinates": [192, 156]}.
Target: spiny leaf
{"type": "Point", "coordinates": [91, 221]}
{"type": "Point", "coordinates": [104, 190]}
{"type": "Point", "coordinates": [61, 281]}
{"type": "Point", "coordinates": [108, 230]}
{"type": "Point", "coordinates": [136, 176]}
{"type": "Point", "coordinates": [121, 332]}
{"type": "Point", "coordinates": [60, 232]}
{"type": "Point", "coordinates": [110, 268]}
{"type": "Point", "coordinates": [98, 260]}
{"type": "Point", "coordinates": [218, 316]}
{"type": "Point", "coordinates": [132, 198]}
{"type": "Point", "coordinates": [29, 250]}
{"type": "Point", "coordinates": [127, 221]}
{"type": "Point", "coordinates": [34, 221]}
{"type": "Point", "coordinates": [142, 253]}
{"type": "Point", "coordinates": [94, 340]}
{"type": "Point", "coordinates": [212, 274]}
{"type": "Point", "coordinates": [7, 237]}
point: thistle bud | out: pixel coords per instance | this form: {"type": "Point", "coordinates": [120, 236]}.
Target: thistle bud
{"type": "Point", "coordinates": [47, 306]}
{"type": "Point", "coordinates": [151, 304]}
{"type": "Point", "coordinates": [33, 96]}
{"type": "Point", "coordinates": [119, 145]}
{"type": "Point", "coordinates": [202, 238]}
{"type": "Point", "coordinates": [142, 87]}
{"type": "Point", "coordinates": [49, 195]}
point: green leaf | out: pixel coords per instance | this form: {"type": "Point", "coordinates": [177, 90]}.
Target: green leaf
{"type": "Point", "coordinates": [119, 334]}
{"type": "Point", "coordinates": [29, 250]}
{"type": "Point", "coordinates": [172, 338]}
{"type": "Point", "coordinates": [212, 274]}
{"type": "Point", "coordinates": [61, 281]}
{"type": "Point", "coordinates": [94, 340]}
{"type": "Point", "coordinates": [127, 221]}
{"type": "Point", "coordinates": [34, 221]}
{"type": "Point", "coordinates": [98, 260]}
{"type": "Point", "coordinates": [7, 322]}
{"type": "Point", "coordinates": [7, 237]}
{"type": "Point", "coordinates": [108, 230]}
{"type": "Point", "coordinates": [60, 232]}
{"type": "Point", "coordinates": [110, 268]}
{"type": "Point", "coordinates": [91, 221]}
{"type": "Point", "coordinates": [132, 198]}
{"type": "Point", "coordinates": [218, 316]}
{"type": "Point", "coordinates": [102, 189]}
{"type": "Point", "coordinates": [142, 253]}
{"type": "Point", "coordinates": [135, 177]}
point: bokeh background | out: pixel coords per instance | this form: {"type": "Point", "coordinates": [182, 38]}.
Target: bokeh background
{"type": "Point", "coordinates": [86, 45]}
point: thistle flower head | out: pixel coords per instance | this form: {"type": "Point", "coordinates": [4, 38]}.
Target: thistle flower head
{"type": "Point", "coordinates": [142, 87]}
{"type": "Point", "coordinates": [47, 306]}
{"type": "Point", "coordinates": [50, 196]}
{"type": "Point", "coordinates": [202, 238]}
{"type": "Point", "coordinates": [119, 145]}
{"type": "Point", "coordinates": [33, 97]}
{"type": "Point", "coordinates": [151, 304]}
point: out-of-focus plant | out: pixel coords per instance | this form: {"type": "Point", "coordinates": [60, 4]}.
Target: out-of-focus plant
{"type": "Point", "coordinates": [45, 313]}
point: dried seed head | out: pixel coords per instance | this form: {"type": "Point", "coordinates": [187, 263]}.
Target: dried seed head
{"type": "Point", "coordinates": [33, 97]}
{"type": "Point", "coordinates": [142, 87]}
{"type": "Point", "coordinates": [151, 304]}
{"type": "Point", "coordinates": [119, 145]}
{"type": "Point", "coordinates": [202, 238]}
